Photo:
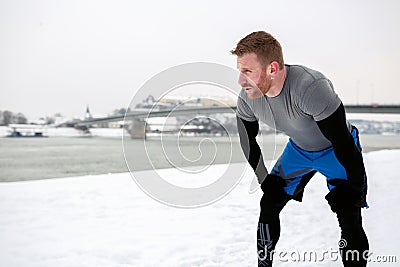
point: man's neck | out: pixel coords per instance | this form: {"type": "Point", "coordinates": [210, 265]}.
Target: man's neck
{"type": "Point", "coordinates": [277, 84]}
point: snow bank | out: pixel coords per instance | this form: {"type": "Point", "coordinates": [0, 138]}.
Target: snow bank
{"type": "Point", "coordinates": [71, 132]}
{"type": "Point", "coordinates": [106, 220]}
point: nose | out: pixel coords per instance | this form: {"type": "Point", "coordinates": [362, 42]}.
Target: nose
{"type": "Point", "coordinates": [242, 81]}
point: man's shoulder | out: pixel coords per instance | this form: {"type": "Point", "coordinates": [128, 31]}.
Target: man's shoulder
{"type": "Point", "coordinates": [301, 79]}
{"type": "Point", "coordinates": [304, 75]}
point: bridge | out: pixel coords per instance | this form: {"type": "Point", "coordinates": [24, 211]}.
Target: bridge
{"type": "Point", "coordinates": [137, 118]}
{"type": "Point", "coordinates": [137, 128]}
{"type": "Point", "coordinates": [148, 113]}
{"type": "Point", "coordinates": [375, 108]}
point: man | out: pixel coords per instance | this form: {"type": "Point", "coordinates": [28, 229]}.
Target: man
{"type": "Point", "coordinates": [301, 103]}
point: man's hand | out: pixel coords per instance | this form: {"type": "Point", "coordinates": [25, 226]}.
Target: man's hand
{"type": "Point", "coordinates": [347, 194]}
{"type": "Point", "coordinates": [272, 187]}
{"type": "Point", "coordinates": [272, 182]}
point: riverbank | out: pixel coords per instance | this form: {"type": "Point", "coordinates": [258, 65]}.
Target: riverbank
{"type": "Point", "coordinates": [45, 158]}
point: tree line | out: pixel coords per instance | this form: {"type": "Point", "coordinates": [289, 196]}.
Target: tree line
{"type": "Point", "coordinates": [8, 117]}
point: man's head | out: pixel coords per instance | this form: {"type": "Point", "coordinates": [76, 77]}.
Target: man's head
{"type": "Point", "coordinates": [259, 61]}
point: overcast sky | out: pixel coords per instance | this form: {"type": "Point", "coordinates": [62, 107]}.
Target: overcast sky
{"type": "Point", "coordinates": [59, 56]}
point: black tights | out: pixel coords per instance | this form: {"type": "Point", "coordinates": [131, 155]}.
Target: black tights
{"type": "Point", "coordinates": [354, 243]}
{"type": "Point", "coordinates": [269, 228]}
{"type": "Point", "coordinates": [350, 222]}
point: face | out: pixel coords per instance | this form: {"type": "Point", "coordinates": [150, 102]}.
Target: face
{"type": "Point", "coordinates": [253, 76]}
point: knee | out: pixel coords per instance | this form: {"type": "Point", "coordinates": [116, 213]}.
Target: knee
{"type": "Point", "coordinates": [273, 188]}
{"type": "Point", "coordinates": [270, 208]}
{"type": "Point", "coordinates": [273, 199]}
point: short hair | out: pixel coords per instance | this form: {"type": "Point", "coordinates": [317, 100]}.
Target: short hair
{"type": "Point", "coordinates": [264, 45]}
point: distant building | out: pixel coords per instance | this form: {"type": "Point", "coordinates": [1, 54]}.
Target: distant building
{"type": "Point", "coordinates": [88, 115]}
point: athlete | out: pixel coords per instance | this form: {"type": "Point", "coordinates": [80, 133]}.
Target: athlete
{"type": "Point", "coordinates": [301, 103]}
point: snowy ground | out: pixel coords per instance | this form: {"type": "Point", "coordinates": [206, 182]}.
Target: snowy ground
{"type": "Point", "coordinates": [107, 220]}
{"type": "Point", "coordinates": [71, 132]}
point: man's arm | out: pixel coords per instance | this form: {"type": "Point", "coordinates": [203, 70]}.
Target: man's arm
{"type": "Point", "coordinates": [248, 131]}
{"type": "Point", "coordinates": [334, 128]}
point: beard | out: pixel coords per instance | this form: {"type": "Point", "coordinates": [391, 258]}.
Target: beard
{"type": "Point", "coordinates": [259, 89]}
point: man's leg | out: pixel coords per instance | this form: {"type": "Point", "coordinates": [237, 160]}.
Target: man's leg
{"type": "Point", "coordinates": [293, 171]}
{"type": "Point", "coordinates": [354, 243]}
{"type": "Point", "coordinates": [268, 230]}
{"type": "Point", "coordinates": [346, 202]}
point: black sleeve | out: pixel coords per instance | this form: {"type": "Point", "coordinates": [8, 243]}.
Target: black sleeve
{"type": "Point", "coordinates": [335, 129]}
{"type": "Point", "coordinates": [248, 131]}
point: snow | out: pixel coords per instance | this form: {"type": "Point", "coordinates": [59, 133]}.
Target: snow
{"type": "Point", "coordinates": [4, 130]}
{"type": "Point", "coordinates": [106, 220]}
{"type": "Point", "coordinates": [71, 132]}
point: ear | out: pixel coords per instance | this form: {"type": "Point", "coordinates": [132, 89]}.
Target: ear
{"type": "Point", "coordinates": [273, 68]}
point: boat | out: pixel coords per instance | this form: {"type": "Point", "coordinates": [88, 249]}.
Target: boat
{"type": "Point", "coordinates": [27, 130]}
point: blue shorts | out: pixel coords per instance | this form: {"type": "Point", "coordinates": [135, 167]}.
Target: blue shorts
{"type": "Point", "coordinates": [297, 166]}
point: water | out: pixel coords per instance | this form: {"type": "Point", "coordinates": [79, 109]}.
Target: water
{"type": "Point", "coordinates": [42, 158]}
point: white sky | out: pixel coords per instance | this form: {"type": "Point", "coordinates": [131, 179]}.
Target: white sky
{"type": "Point", "coordinates": [59, 56]}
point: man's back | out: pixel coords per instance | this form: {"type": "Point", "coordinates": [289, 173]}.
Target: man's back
{"type": "Point", "coordinates": [307, 96]}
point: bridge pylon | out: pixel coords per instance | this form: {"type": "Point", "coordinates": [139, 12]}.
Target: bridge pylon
{"type": "Point", "coordinates": [137, 128]}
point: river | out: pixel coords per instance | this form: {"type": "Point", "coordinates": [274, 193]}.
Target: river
{"type": "Point", "coordinates": [24, 159]}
